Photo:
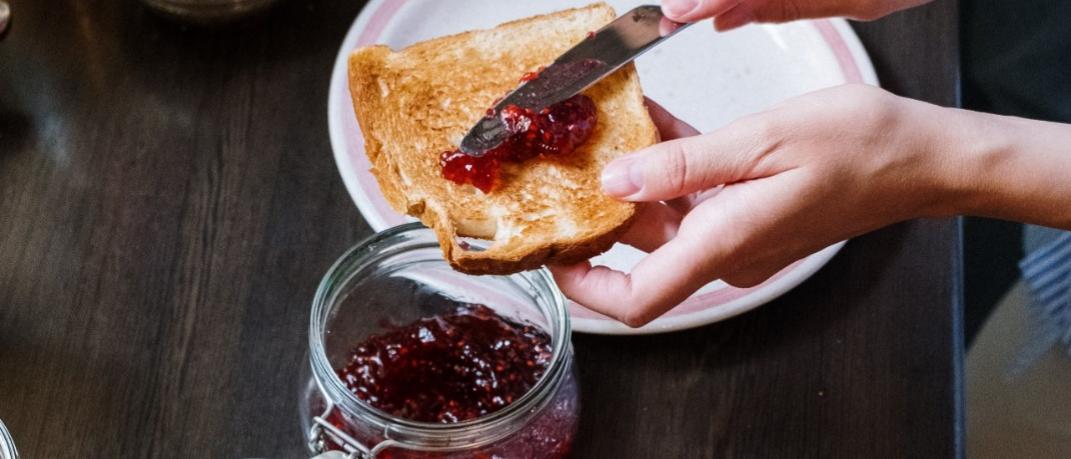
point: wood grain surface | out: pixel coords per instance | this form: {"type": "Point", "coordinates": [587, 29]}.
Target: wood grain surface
{"type": "Point", "coordinates": [168, 203]}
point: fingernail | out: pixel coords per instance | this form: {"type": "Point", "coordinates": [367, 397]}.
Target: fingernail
{"type": "Point", "coordinates": [678, 8]}
{"type": "Point", "coordinates": [623, 177]}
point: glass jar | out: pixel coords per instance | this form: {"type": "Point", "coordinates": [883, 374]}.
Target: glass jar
{"type": "Point", "coordinates": [399, 276]}
{"type": "Point", "coordinates": [7, 445]}
{"type": "Point", "coordinates": [208, 11]}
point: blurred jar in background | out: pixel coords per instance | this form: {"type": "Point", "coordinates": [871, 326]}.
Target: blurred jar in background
{"type": "Point", "coordinates": [7, 445]}
{"type": "Point", "coordinates": [208, 11]}
{"type": "Point", "coordinates": [5, 16]}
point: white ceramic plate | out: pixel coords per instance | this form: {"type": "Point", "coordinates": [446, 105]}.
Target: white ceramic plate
{"type": "Point", "coordinates": [705, 78]}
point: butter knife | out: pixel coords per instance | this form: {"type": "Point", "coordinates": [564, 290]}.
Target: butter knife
{"type": "Point", "coordinates": [601, 54]}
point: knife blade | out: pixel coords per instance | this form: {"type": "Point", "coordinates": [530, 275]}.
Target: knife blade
{"type": "Point", "coordinates": [598, 56]}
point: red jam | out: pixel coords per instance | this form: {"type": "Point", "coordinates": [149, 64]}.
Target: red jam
{"type": "Point", "coordinates": [528, 77]}
{"type": "Point", "coordinates": [448, 368]}
{"type": "Point", "coordinates": [557, 130]}
{"type": "Point", "coordinates": [454, 367]}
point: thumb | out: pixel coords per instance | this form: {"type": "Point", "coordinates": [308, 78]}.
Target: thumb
{"type": "Point", "coordinates": [680, 167]}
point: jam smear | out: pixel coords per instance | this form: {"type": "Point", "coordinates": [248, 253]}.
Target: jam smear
{"type": "Point", "coordinates": [557, 130]}
{"type": "Point", "coordinates": [448, 368]}
{"type": "Point", "coordinates": [529, 77]}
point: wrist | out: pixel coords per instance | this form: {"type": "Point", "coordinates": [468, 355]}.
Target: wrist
{"type": "Point", "coordinates": [1007, 168]}
{"type": "Point", "coordinates": [963, 147]}
{"type": "Point", "coordinates": [983, 145]}
{"type": "Point", "coordinates": [943, 145]}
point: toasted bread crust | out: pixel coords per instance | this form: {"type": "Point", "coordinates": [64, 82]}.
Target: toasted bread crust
{"type": "Point", "coordinates": [565, 253]}
{"type": "Point", "coordinates": [547, 211]}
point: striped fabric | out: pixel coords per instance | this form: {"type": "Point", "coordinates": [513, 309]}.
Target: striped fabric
{"type": "Point", "coordinates": [1047, 273]}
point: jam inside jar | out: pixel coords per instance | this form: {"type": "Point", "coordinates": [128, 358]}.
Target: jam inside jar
{"type": "Point", "coordinates": [411, 359]}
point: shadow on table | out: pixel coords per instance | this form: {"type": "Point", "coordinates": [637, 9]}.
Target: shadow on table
{"type": "Point", "coordinates": [16, 131]}
{"type": "Point", "coordinates": [132, 49]}
{"type": "Point", "coordinates": [39, 371]}
{"type": "Point", "coordinates": [798, 347]}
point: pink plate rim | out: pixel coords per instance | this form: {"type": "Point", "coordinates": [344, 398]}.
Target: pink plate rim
{"type": "Point", "coordinates": [700, 310]}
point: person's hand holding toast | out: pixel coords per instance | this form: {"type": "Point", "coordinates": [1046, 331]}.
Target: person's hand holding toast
{"type": "Point", "coordinates": [743, 202]}
{"type": "Point", "coordinates": [703, 221]}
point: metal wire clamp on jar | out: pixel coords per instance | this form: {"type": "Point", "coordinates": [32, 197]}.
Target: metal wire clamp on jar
{"type": "Point", "coordinates": [399, 276]}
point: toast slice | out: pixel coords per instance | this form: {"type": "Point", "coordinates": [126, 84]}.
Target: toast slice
{"type": "Point", "coordinates": [414, 104]}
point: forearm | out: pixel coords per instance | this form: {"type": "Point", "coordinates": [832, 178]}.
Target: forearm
{"type": "Point", "coordinates": [1010, 168]}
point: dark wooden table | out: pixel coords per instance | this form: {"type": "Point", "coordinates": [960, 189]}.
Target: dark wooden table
{"type": "Point", "coordinates": [168, 203]}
